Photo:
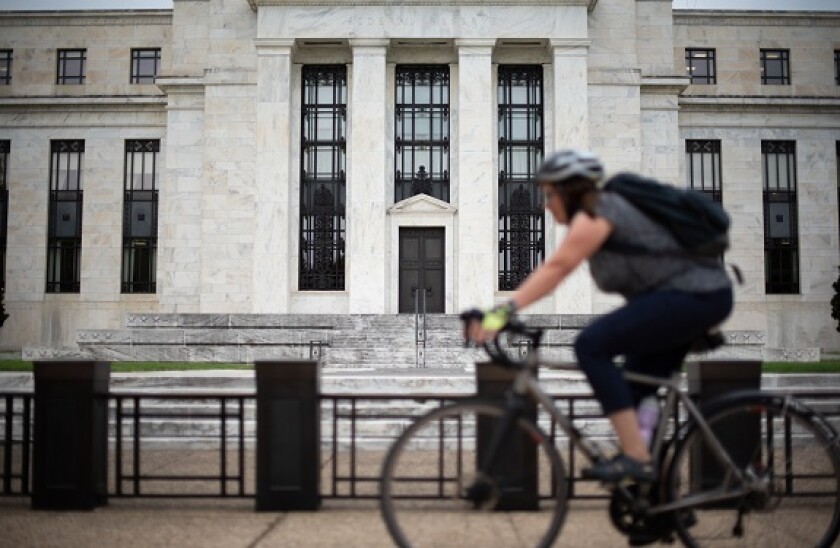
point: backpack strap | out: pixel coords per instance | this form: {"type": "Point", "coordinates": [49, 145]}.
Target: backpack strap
{"type": "Point", "coordinates": [631, 248]}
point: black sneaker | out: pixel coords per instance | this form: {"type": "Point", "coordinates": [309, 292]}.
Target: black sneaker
{"type": "Point", "coordinates": [621, 468]}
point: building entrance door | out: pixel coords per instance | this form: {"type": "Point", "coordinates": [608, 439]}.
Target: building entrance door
{"type": "Point", "coordinates": [421, 267]}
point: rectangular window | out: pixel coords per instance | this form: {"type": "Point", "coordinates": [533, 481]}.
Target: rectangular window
{"type": "Point", "coordinates": [837, 67]}
{"type": "Point", "coordinates": [700, 66]}
{"type": "Point", "coordinates": [775, 67]}
{"type": "Point", "coordinates": [521, 145]}
{"type": "Point", "coordinates": [5, 146]}
{"type": "Point", "coordinates": [140, 216]}
{"type": "Point", "coordinates": [323, 223]}
{"type": "Point", "coordinates": [781, 238]}
{"type": "Point", "coordinates": [144, 65]}
{"type": "Point", "coordinates": [421, 131]}
{"type": "Point", "coordinates": [64, 234]}
{"type": "Point", "coordinates": [702, 164]}
{"type": "Point", "coordinates": [5, 67]}
{"type": "Point", "coordinates": [71, 66]}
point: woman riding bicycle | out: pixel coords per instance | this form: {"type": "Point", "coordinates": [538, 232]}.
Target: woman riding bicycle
{"type": "Point", "coordinates": [672, 300]}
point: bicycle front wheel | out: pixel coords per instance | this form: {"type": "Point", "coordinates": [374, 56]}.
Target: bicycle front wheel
{"type": "Point", "coordinates": [433, 492]}
{"type": "Point", "coordinates": [789, 453]}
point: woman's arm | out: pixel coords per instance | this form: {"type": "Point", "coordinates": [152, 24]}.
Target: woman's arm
{"type": "Point", "coordinates": [586, 235]}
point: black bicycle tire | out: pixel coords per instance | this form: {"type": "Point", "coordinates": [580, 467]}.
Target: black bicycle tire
{"type": "Point", "coordinates": [724, 406]}
{"type": "Point", "coordinates": [387, 508]}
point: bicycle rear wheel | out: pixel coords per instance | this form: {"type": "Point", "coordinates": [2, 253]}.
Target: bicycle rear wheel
{"type": "Point", "coordinates": [431, 493]}
{"type": "Point", "coordinates": [788, 448]}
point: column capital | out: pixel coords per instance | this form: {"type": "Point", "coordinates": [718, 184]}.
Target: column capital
{"type": "Point", "coordinates": [575, 47]}
{"type": "Point", "coordinates": [475, 46]}
{"type": "Point", "coordinates": [370, 45]}
{"type": "Point", "coordinates": [274, 46]}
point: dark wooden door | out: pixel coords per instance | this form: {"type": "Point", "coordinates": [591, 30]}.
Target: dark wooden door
{"type": "Point", "coordinates": [422, 266]}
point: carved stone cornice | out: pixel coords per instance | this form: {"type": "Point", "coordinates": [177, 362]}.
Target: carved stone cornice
{"type": "Point", "coordinates": [723, 103]}
{"type": "Point", "coordinates": [79, 18]}
{"type": "Point", "coordinates": [83, 103]}
{"type": "Point", "coordinates": [664, 85]}
{"type": "Point", "coordinates": [727, 18]}
{"type": "Point", "coordinates": [590, 4]}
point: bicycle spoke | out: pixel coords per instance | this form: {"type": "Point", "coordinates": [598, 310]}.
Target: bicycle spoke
{"type": "Point", "coordinates": [434, 495]}
{"type": "Point", "coordinates": [794, 499]}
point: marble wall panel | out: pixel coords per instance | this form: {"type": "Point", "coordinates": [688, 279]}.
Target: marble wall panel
{"type": "Point", "coordinates": [439, 21]}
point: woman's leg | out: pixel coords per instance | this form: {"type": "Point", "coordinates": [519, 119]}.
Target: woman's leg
{"type": "Point", "coordinates": [658, 324]}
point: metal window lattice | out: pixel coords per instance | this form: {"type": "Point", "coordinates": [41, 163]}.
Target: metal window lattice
{"type": "Point", "coordinates": [837, 67]}
{"type": "Point", "coordinates": [71, 66]}
{"type": "Point", "coordinates": [5, 147]}
{"type": "Point", "coordinates": [701, 66]}
{"type": "Point", "coordinates": [140, 216]}
{"type": "Point", "coordinates": [323, 180]}
{"type": "Point", "coordinates": [521, 219]}
{"type": "Point", "coordinates": [421, 131]}
{"type": "Point", "coordinates": [781, 238]}
{"type": "Point", "coordinates": [64, 236]}
{"type": "Point", "coordinates": [775, 67]}
{"type": "Point", "coordinates": [5, 67]}
{"type": "Point", "coordinates": [144, 65]}
{"type": "Point", "coordinates": [703, 171]}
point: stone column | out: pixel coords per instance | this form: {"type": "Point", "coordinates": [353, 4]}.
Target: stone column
{"type": "Point", "coordinates": [477, 244]}
{"type": "Point", "coordinates": [271, 279]}
{"type": "Point", "coordinates": [181, 215]}
{"type": "Point", "coordinates": [571, 130]}
{"type": "Point", "coordinates": [366, 179]}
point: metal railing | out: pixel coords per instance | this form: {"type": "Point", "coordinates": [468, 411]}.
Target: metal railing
{"type": "Point", "coordinates": [16, 444]}
{"type": "Point", "coordinates": [350, 458]}
{"type": "Point", "coordinates": [420, 324]}
{"type": "Point", "coordinates": [129, 419]}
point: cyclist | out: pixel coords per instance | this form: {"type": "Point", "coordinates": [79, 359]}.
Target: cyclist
{"type": "Point", "coordinates": [671, 300]}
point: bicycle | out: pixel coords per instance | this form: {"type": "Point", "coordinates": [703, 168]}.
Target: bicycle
{"type": "Point", "coordinates": [452, 470]}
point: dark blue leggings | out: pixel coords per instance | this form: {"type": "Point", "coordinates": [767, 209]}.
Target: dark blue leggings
{"type": "Point", "coordinates": [653, 332]}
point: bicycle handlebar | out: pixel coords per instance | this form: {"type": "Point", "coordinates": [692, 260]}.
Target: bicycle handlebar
{"type": "Point", "coordinates": [493, 347]}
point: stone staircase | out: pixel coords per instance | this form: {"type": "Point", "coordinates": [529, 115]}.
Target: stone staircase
{"type": "Point", "coordinates": [385, 341]}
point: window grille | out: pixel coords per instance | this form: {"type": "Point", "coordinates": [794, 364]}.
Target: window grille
{"type": "Point", "coordinates": [775, 67]}
{"type": "Point", "coordinates": [5, 147]}
{"type": "Point", "coordinates": [521, 222]}
{"type": "Point", "coordinates": [5, 67]}
{"type": "Point", "coordinates": [701, 66]}
{"type": "Point", "coordinates": [323, 224]}
{"type": "Point", "coordinates": [64, 235]}
{"type": "Point", "coordinates": [140, 216]}
{"type": "Point", "coordinates": [702, 163]}
{"type": "Point", "coordinates": [422, 131]}
{"type": "Point", "coordinates": [837, 67]}
{"type": "Point", "coordinates": [144, 65]}
{"type": "Point", "coordinates": [71, 66]}
{"type": "Point", "coordinates": [781, 239]}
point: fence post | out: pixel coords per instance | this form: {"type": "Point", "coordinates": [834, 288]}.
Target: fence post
{"type": "Point", "coordinates": [70, 461]}
{"type": "Point", "coordinates": [740, 435]}
{"type": "Point", "coordinates": [518, 458]}
{"type": "Point", "coordinates": [288, 435]}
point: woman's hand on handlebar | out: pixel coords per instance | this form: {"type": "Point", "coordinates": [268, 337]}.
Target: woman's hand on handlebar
{"type": "Point", "coordinates": [481, 327]}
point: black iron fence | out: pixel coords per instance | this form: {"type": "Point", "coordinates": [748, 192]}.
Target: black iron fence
{"type": "Point", "coordinates": [149, 455]}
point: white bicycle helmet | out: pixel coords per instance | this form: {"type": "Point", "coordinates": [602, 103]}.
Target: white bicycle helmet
{"type": "Point", "coordinates": [568, 164]}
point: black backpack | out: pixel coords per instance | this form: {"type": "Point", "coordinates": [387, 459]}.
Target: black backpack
{"type": "Point", "coordinates": [698, 223]}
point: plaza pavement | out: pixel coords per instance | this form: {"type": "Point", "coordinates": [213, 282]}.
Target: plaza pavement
{"type": "Point", "coordinates": [129, 523]}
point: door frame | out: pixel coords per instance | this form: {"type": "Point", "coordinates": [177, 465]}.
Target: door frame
{"type": "Point", "coordinates": [421, 211]}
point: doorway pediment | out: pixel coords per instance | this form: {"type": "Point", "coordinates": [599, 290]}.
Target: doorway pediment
{"type": "Point", "coordinates": [422, 203]}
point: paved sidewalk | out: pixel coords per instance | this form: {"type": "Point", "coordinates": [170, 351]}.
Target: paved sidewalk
{"type": "Point", "coordinates": [130, 523]}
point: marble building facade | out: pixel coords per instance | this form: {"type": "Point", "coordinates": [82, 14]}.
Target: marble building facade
{"type": "Point", "coordinates": [226, 108]}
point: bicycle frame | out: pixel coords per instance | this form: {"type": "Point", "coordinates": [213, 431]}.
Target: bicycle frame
{"type": "Point", "coordinates": [525, 384]}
